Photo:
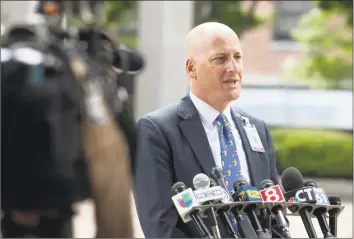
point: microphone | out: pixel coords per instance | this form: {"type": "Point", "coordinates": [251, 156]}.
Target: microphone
{"type": "Point", "coordinates": [293, 184]}
{"type": "Point", "coordinates": [223, 214]}
{"type": "Point", "coordinates": [245, 227]}
{"type": "Point", "coordinates": [272, 193]}
{"type": "Point", "coordinates": [184, 201]}
{"type": "Point", "coordinates": [201, 183]}
{"type": "Point", "coordinates": [320, 212]}
{"type": "Point", "coordinates": [218, 175]}
{"type": "Point", "coordinates": [245, 192]}
{"type": "Point", "coordinates": [320, 194]}
{"type": "Point", "coordinates": [333, 214]}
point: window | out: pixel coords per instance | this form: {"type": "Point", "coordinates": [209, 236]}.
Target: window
{"type": "Point", "coordinates": [288, 15]}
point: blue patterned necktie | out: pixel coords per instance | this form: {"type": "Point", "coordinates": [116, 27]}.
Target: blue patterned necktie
{"type": "Point", "coordinates": [229, 157]}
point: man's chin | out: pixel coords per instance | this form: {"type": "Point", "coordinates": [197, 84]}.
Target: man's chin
{"type": "Point", "coordinates": [232, 96]}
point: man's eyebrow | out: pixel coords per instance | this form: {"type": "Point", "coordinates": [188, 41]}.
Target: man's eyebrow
{"type": "Point", "coordinates": [220, 53]}
{"type": "Point", "coordinates": [226, 53]}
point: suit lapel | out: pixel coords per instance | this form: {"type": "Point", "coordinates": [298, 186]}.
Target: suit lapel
{"type": "Point", "coordinates": [252, 157]}
{"type": "Point", "coordinates": [193, 130]}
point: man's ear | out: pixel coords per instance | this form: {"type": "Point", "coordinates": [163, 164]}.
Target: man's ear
{"type": "Point", "coordinates": [190, 69]}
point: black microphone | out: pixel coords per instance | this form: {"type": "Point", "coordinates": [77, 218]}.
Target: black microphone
{"type": "Point", "coordinates": [247, 193]}
{"type": "Point", "coordinates": [333, 214]}
{"type": "Point", "coordinates": [223, 215]}
{"type": "Point", "coordinates": [218, 175]}
{"type": "Point", "coordinates": [202, 181]}
{"type": "Point", "coordinates": [293, 184]}
{"type": "Point", "coordinates": [321, 198]}
{"type": "Point", "coordinates": [187, 200]}
{"type": "Point", "coordinates": [272, 193]}
{"type": "Point", "coordinates": [245, 226]}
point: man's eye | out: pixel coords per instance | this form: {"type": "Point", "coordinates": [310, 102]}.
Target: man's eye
{"type": "Point", "coordinates": [238, 57]}
{"type": "Point", "coordinates": [220, 58]}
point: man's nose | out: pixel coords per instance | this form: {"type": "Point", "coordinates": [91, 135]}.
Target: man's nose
{"type": "Point", "coordinates": [233, 66]}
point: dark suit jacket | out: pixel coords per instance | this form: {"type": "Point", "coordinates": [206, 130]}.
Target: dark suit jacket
{"type": "Point", "coordinates": [172, 146]}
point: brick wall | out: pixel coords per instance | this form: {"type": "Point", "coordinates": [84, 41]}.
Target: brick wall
{"type": "Point", "coordinates": [262, 55]}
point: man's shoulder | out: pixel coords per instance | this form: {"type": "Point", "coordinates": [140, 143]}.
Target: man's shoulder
{"type": "Point", "coordinates": [162, 115]}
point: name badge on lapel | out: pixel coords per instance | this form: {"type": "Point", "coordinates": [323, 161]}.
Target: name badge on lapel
{"type": "Point", "coordinates": [252, 136]}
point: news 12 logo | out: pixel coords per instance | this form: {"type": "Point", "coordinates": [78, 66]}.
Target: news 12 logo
{"type": "Point", "coordinates": [186, 200]}
{"type": "Point", "coordinates": [250, 194]}
{"type": "Point", "coordinates": [272, 194]}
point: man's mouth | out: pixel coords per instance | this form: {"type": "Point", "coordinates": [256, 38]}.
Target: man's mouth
{"type": "Point", "coordinates": [231, 82]}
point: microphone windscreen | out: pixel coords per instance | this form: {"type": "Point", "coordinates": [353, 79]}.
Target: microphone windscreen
{"type": "Point", "coordinates": [201, 181]}
{"type": "Point", "coordinates": [177, 188]}
{"type": "Point", "coordinates": [217, 173]}
{"type": "Point", "coordinates": [310, 183]}
{"type": "Point", "coordinates": [239, 182]}
{"type": "Point", "coordinates": [334, 200]}
{"type": "Point", "coordinates": [292, 179]}
{"type": "Point", "coordinates": [266, 183]}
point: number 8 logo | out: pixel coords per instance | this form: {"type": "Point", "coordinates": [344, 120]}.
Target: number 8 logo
{"type": "Point", "coordinates": [272, 195]}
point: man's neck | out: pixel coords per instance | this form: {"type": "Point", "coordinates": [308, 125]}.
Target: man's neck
{"type": "Point", "coordinates": [220, 107]}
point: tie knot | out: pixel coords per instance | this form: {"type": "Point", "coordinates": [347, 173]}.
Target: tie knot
{"type": "Point", "coordinates": [221, 119]}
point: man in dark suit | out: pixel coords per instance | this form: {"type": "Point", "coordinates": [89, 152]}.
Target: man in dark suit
{"type": "Point", "coordinates": [181, 140]}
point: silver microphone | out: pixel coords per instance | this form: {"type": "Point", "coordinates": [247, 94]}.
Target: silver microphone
{"type": "Point", "coordinates": [202, 181]}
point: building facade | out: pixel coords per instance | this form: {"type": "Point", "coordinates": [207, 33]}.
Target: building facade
{"type": "Point", "coordinates": [267, 47]}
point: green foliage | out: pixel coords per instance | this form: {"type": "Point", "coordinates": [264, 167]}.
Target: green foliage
{"type": "Point", "coordinates": [341, 7]}
{"type": "Point", "coordinates": [229, 13]}
{"type": "Point", "coordinates": [328, 45]}
{"type": "Point", "coordinates": [117, 15]}
{"type": "Point", "coordinates": [322, 153]}
{"type": "Point", "coordinates": [129, 41]}
{"type": "Point", "coordinates": [118, 11]}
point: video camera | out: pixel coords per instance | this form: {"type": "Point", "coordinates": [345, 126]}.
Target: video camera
{"type": "Point", "coordinates": [49, 73]}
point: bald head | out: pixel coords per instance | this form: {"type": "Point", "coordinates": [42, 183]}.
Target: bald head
{"type": "Point", "coordinates": [214, 64]}
{"type": "Point", "coordinates": [203, 35]}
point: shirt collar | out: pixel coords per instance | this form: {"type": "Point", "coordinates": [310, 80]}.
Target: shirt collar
{"type": "Point", "coordinates": [207, 113]}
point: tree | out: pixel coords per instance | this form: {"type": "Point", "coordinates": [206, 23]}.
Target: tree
{"type": "Point", "coordinates": [345, 7]}
{"type": "Point", "coordinates": [230, 13]}
{"type": "Point", "coordinates": [114, 14]}
{"type": "Point", "coordinates": [118, 17]}
{"type": "Point", "coordinates": [326, 34]}
{"type": "Point", "coordinates": [117, 12]}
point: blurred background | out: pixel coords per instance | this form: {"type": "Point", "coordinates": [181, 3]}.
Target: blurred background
{"type": "Point", "coordinates": [298, 77]}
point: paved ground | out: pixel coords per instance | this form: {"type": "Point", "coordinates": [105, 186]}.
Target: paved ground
{"type": "Point", "coordinates": [85, 228]}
